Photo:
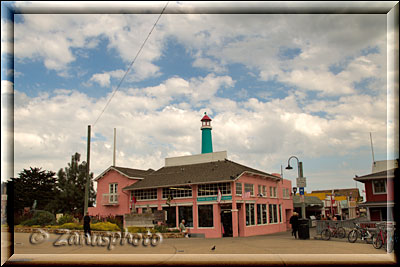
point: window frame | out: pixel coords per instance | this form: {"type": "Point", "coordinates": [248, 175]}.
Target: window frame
{"type": "Point", "coordinates": [236, 188]}
{"type": "Point", "coordinates": [252, 189]}
{"type": "Point", "coordinates": [176, 194]}
{"type": "Point", "coordinates": [252, 219]}
{"type": "Point", "coordinates": [199, 217]}
{"type": "Point", "coordinates": [141, 193]}
{"type": "Point", "coordinates": [113, 192]}
{"type": "Point", "coordinates": [384, 185]}
{"type": "Point", "coordinates": [202, 189]}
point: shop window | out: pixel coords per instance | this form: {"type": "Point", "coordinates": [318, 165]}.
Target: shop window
{"type": "Point", "coordinates": [273, 215]}
{"type": "Point", "coordinates": [206, 215]}
{"type": "Point", "coordinates": [171, 216]}
{"type": "Point", "coordinates": [261, 213]}
{"type": "Point", "coordinates": [264, 213]}
{"type": "Point", "coordinates": [250, 214]}
{"type": "Point", "coordinates": [186, 213]}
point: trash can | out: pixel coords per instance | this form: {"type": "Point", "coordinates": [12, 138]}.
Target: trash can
{"type": "Point", "coordinates": [304, 229]}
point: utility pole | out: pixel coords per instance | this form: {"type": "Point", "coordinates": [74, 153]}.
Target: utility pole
{"type": "Point", "coordinates": [372, 149]}
{"type": "Point", "coordinates": [87, 174]}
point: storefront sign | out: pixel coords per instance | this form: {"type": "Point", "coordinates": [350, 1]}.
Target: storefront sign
{"type": "Point", "coordinates": [213, 198]}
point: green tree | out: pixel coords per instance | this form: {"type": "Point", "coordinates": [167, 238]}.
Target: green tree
{"type": "Point", "coordinates": [71, 183]}
{"type": "Point", "coordinates": [32, 185]}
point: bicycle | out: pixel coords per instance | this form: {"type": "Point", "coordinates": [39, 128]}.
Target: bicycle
{"type": "Point", "coordinates": [363, 233]}
{"type": "Point", "coordinates": [336, 231]}
{"type": "Point", "coordinates": [384, 237]}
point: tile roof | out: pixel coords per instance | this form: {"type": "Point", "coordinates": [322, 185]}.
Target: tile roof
{"type": "Point", "coordinates": [128, 172]}
{"type": "Point", "coordinates": [378, 175]}
{"type": "Point", "coordinates": [210, 172]}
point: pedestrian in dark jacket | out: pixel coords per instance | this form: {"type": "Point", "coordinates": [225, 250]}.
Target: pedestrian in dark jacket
{"type": "Point", "coordinates": [86, 224]}
{"type": "Point", "coordinates": [294, 221]}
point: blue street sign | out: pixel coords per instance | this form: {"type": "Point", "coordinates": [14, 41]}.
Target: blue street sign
{"type": "Point", "coordinates": [301, 191]}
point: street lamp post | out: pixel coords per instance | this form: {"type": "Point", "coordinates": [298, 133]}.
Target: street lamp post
{"type": "Point", "coordinates": [300, 175]}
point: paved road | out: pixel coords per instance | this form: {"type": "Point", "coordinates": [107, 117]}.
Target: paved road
{"type": "Point", "coordinates": [273, 248]}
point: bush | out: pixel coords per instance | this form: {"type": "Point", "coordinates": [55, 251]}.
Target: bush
{"type": "Point", "coordinates": [71, 226]}
{"type": "Point", "coordinates": [19, 218]}
{"type": "Point", "coordinates": [41, 218]}
{"type": "Point", "coordinates": [134, 230]}
{"type": "Point", "coordinates": [67, 218]}
{"type": "Point", "coordinates": [161, 228]}
{"type": "Point", "coordinates": [104, 226]}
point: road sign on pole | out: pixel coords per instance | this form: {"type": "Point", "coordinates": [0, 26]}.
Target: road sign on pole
{"type": "Point", "coordinates": [301, 191]}
{"type": "Point", "coordinates": [301, 182]}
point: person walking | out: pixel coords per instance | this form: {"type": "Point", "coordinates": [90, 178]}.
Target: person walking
{"type": "Point", "coordinates": [86, 224]}
{"type": "Point", "coordinates": [294, 221]}
{"type": "Point", "coordinates": [183, 229]}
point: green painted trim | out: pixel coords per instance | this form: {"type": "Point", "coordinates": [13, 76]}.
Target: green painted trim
{"type": "Point", "coordinates": [213, 198]}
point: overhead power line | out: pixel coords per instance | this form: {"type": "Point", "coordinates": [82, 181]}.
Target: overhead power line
{"type": "Point", "coordinates": [130, 66]}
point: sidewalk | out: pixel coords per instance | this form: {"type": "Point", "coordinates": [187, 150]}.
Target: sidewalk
{"type": "Point", "coordinates": [278, 248]}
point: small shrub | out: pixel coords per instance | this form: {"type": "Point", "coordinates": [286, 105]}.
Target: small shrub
{"type": "Point", "coordinates": [19, 218]}
{"type": "Point", "coordinates": [161, 228]}
{"type": "Point", "coordinates": [134, 230]}
{"type": "Point", "coordinates": [41, 218]}
{"type": "Point", "coordinates": [71, 226]}
{"type": "Point", "coordinates": [104, 226]}
{"type": "Point", "coordinates": [67, 218]}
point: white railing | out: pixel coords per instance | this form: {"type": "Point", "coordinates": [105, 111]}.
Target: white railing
{"type": "Point", "coordinates": [110, 199]}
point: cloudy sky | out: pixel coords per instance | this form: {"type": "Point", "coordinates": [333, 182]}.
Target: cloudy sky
{"type": "Point", "coordinates": [275, 85]}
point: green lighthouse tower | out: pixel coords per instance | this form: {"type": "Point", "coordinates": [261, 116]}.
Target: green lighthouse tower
{"type": "Point", "coordinates": [206, 142]}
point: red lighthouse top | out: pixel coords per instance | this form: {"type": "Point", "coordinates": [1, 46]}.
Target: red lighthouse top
{"type": "Point", "coordinates": [205, 118]}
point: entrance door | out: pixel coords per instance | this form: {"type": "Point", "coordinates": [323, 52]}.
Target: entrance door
{"type": "Point", "coordinates": [226, 220]}
{"type": "Point", "coordinates": [288, 215]}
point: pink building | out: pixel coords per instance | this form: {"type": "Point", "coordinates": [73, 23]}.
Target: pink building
{"type": "Point", "coordinates": [216, 196]}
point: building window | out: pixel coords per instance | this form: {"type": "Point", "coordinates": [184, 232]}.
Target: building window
{"type": "Point", "coordinates": [238, 189]}
{"type": "Point", "coordinates": [250, 214]}
{"type": "Point", "coordinates": [170, 216]}
{"type": "Point", "coordinates": [212, 189]}
{"type": "Point", "coordinates": [186, 213]}
{"type": "Point", "coordinates": [206, 216]}
{"type": "Point", "coordinates": [272, 191]}
{"type": "Point", "coordinates": [249, 188]}
{"type": "Point", "coordinates": [177, 191]}
{"type": "Point", "coordinates": [264, 190]}
{"type": "Point", "coordinates": [280, 213]}
{"type": "Point", "coordinates": [273, 216]}
{"type": "Point", "coordinates": [113, 189]}
{"type": "Point", "coordinates": [285, 193]}
{"type": "Point", "coordinates": [261, 213]}
{"type": "Point", "coordinates": [379, 186]}
{"type": "Point", "coordinates": [264, 213]}
{"type": "Point", "coordinates": [145, 194]}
